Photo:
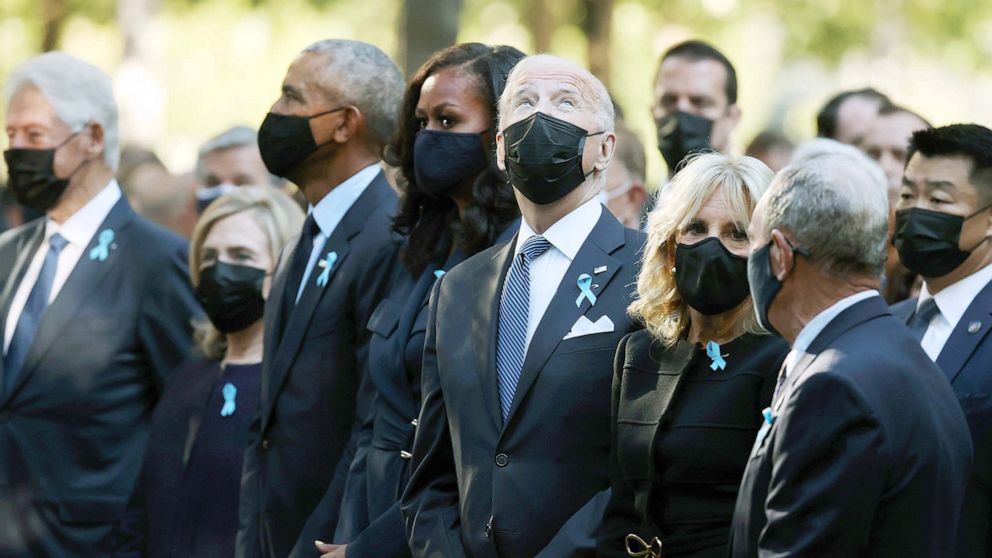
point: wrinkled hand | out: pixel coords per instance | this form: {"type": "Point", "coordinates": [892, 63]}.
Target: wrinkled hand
{"type": "Point", "coordinates": [330, 550]}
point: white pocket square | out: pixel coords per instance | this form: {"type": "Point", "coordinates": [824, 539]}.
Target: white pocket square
{"type": "Point", "coordinates": [585, 326]}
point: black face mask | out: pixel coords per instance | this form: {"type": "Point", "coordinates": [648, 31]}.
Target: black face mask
{"type": "Point", "coordinates": [928, 241]}
{"type": "Point", "coordinates": [764, 285]}
{"type": "Point", "coordinates": [710, 278]}
{"type": "Point", "coordinates": [285, 141]}
{"type": "Point", "coordinates": [32, 176]}
{"type": "Point", "coordinates": [544, 157]}
{"type": "Point", "coordinates": [231, 295]}
{"type": "Point", "coordinates": [443, 160]}
{"type": "Point", "coordinates": [680, 134]}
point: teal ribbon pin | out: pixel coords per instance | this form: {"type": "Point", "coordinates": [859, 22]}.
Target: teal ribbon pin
{"type": "Point", "coordinates": [327, 263]}
{"type": "Point", "coordinates": [769, 417]}
{"type": "Point", "coordinates": [713, 351]}
{"type": "Point", "coordinates": [584, 282]}
{"type": "Point", "coordinates": [438, 273]}
{"type": "Point", "coordinates": [102, 250]}
{"type": "Point", "coordinates": [229, 392]}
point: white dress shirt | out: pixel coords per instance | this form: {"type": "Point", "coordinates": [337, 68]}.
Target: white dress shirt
{"type": "Point", "coordinates": [78, 230]}
{"type": "Point", "coordinates": [331, 209]}
{"type": "Point", "coordinates": [818, 324]}
{"type": "Point", "coordinates": [952, 303]}
{"type": "Point", "coordinates": [547, 270]}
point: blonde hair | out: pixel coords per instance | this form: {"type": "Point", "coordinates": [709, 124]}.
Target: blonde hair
{"type": "Point", "coordinates": [743, 180]}
{"type": "Point", "coordinates": [273, 211]}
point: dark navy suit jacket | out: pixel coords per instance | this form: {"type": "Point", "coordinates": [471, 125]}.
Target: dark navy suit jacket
{"type": "Point", "coordinates": [484, 487]}
{"type": "Point", "coordinates": [966, 359]}
{"type": "Point", "coordinates": [315, 357]}
{"type": "Point", "coordinates": [73, 427]}
{"type": "Point", "coordinates": [868, 454]}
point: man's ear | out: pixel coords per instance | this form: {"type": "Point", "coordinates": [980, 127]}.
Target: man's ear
{"type": "Point", "coordinates": [347, 126]}
{"type": "Point", "coordinates": [96, 140]}
{"type": "Point", "coordinates": [734, 115]}
{"type": "Point", "coordinates": [605, 152]}
{"type": "Point", "coordinates": [638, 194]}
{"type": "Point", "coordinates": [500, 152]}
{"type": "Point", "coordinates": [781, 256]}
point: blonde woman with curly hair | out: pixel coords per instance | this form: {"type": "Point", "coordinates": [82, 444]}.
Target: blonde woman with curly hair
{"type": "Point", "coordinates": [186, 500]}
{"type": "Point", "coordinates": [688, 389]}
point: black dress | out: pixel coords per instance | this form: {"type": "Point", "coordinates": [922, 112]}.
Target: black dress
{"type": "Point", "coordinates": [681, 439]}
{"type": "Point", "coordinates": [185, 503]}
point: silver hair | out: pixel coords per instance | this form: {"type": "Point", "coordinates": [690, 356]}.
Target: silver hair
{"type": "Point", "coordinates": [363, 75]}
{"type": "Point", "coordinates": [837, 209]}
{"type": "Point", "coordinates": [79, 92]}
{"type": "Point", "coordinates": [826, 146]}
{"type": "Point", "coordinates": [236, 136]}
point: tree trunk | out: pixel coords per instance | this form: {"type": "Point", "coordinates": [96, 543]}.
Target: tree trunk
{"type": "Point", "coordinates": [53, 16]}
{"type": "Point", "coordinates": [541, 22]}
{"type": "Point", "coordinates": [597, 23]}
{"type": "Point", "coordinates": [428, 25]}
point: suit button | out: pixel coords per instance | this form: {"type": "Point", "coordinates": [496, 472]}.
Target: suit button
{"type": "Point", "coordinates": [502, 460]}
{"type": "Point", "coordinates": [266, 444]}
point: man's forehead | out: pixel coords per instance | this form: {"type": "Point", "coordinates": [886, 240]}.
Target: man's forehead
{"type": "Point", "coordinates": [544, 71]}
{"type": "Point", "coordinates": [29, 106]}
{"type": "Point", "coordinates": [691, 76]}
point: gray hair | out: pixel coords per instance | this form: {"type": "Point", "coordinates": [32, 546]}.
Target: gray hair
{"type": "Point", "coordinates": [837, 209]}
{"type": "Point", "coordinates": [364, 76]}
{"type": "Point", "coordinates": [79, 92]}
{"type": "Point", "coordinates": [237, 136]}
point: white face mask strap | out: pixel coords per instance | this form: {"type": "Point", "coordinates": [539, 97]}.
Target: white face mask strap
{"type": "Point", "coordinates": [614, 194]}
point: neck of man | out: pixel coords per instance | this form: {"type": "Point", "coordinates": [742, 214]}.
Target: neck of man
{"type": "Point", "coordinates": [979, 258]}
{"type": "Point", "coordinates": [721, 328]}
{"type": "Point", "coordinates": [245, 346]}
{"type": "Point", "coordinates": [83, 187]}
{"type": "Point", "coordinates": [817, 294]}
{"type": "Point", "coordinates": [540, 218]}
{"type": "Point", "coordinates": [319, 178]}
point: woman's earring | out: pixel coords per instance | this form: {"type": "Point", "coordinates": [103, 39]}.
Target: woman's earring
{"type": "Point", "coordinates": [673, 270]}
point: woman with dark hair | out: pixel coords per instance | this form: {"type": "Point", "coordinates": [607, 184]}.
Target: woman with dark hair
{"type": "Point", "coordinates": [455, 203]}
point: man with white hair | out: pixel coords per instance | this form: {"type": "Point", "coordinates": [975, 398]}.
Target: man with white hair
{"type": "Point", "coordinates": [863, 451]}
{"type": "Point", "coordinates": [511, 456]}
{"type": "Point", "coordinates": [229, 160]}
{"type": "Point", "coordinates": [95, 309]}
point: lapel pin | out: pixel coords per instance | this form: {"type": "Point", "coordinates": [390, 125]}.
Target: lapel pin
{"type": "Point", "coordinates": [102, 250]}
{"type": "Point", "coordinates": [438, 273]}
{"type": "Point", "coordinates": [229, 392]}
{"type": "Point", "coordinates": [327, 263]}
{"type": "Point", "coordinates": [769, 415]}
{"type": "Point", "coordinates": [973, 327]}
{"type": "Point", "coordinates": [598, 270]}
{"type": "Point", "coordinates": [713, 351]}
{"type": "Point", "coordinates": [584, 282]}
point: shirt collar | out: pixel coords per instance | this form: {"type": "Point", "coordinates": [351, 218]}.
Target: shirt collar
{"type": "Point", "coordinates": [816, 326]}
{"type": "Point", "coordinates": [569, 232]}
{"type": "Point", "coordinates": [954, 300]}
{"type": "Point", "coordinates": [330, 210]}
{"type": "Point", "coordinates": [80, 227]}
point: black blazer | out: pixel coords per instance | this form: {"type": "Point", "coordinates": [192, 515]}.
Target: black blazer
{"type": "Point", "coordinates": [73, 428]}
{"type": "Point", "coordinates": [315, 358]}
{"type": "Point", "coordinates": [868, 454]}
{"type": "Point", "coordinates": [481, 487]}
{"type": "Point", "coordinates": [966, 360]}
{"type": "Point", "coordinates": [649, 381]}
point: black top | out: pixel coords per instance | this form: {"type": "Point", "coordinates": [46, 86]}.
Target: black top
{"type": "Point", "coordinates": [186, 502]}
{"type": "Point", "coordinates": [682, 441]}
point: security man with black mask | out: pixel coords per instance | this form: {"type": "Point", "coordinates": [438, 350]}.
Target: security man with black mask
{"type": "Point", "coordinates": [943, 225]}
{"type": "Point", "coordinates": [695, 102]}
{"type": "Point", "coordinates": [325, 133]}
{"type": "Point", "coordinates": [511, 456]}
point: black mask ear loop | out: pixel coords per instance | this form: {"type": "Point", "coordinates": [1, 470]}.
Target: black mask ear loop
{"type": "Point", "coordinates": [795, 250]}
{"type": "Point", "coordinates": [583, 148]}
{"type": "Point", "coordinates": [985, 238]}
{"type": "Point", "coordinates": [81, 164]}
{"type": "Point", "coordinates": [319, 114]}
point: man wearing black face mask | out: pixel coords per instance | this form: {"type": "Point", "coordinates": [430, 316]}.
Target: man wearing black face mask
{"type": "Point", "coordinates": [863, 451]}
{"type": "Point", "coordinates": [95, 309]}
{"type": "Point", "coordinates": [511, 455]}
{"type": "Point", "coordinates": [325, 134]}
{"type": "Point", "coordinates": [943, 225]}
{"type": "Point", "coordinates": [695, 102]}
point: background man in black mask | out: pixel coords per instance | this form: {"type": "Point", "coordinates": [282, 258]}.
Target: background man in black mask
{"type": "Point", "coordinates": [943, 225]}
{"type": "Point", "coordinates": [695, 105]}
{"type": "Point", "coordinates": [325, 133]}
{"type": "Point", "coordinates": [511, 456]}
{"type": "Point", "coordinates": [95, 309]}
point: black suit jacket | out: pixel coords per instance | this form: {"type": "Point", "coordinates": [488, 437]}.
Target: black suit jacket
{"type": "Point", "coordinates": [966, 359]}
{"type": "Point", "coordinates": [315, 358]}
{"type": "Point", "coordinates": [482, 487]}
{"type": "Point", "coordinates": [868, 454]}
{"type": "Point", "coordinates": [73, 427]}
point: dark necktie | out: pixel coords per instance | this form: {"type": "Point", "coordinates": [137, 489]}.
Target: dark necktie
{"type": "Point", "coordinates": [301, 256]}
{"type": "Point", "coordinates": [920, 320]}
{"type": "Point", "coordinates": [514, 312]}
{"type": "Point", "coordinates": [34, 308]}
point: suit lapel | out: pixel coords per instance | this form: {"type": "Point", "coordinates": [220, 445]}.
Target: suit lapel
{"type": "Point", "coordinates": [605, 238]}
{"type": "Point", "coordinates": [27, 246]}
{"type": "Point", "coordinates": [81, 283]}
{"type": "Point", "coordinates": [274, 315]}
{"type": "Point", "coordinates": [971, 329]}
{"type": "Point", "coordinates": [485, 319]}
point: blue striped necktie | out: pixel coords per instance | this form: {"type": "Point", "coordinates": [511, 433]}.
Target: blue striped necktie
{"type": "Point", "coordinates": [514, 309]}
{"type": "Point", "coordinates": [30, 319]}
